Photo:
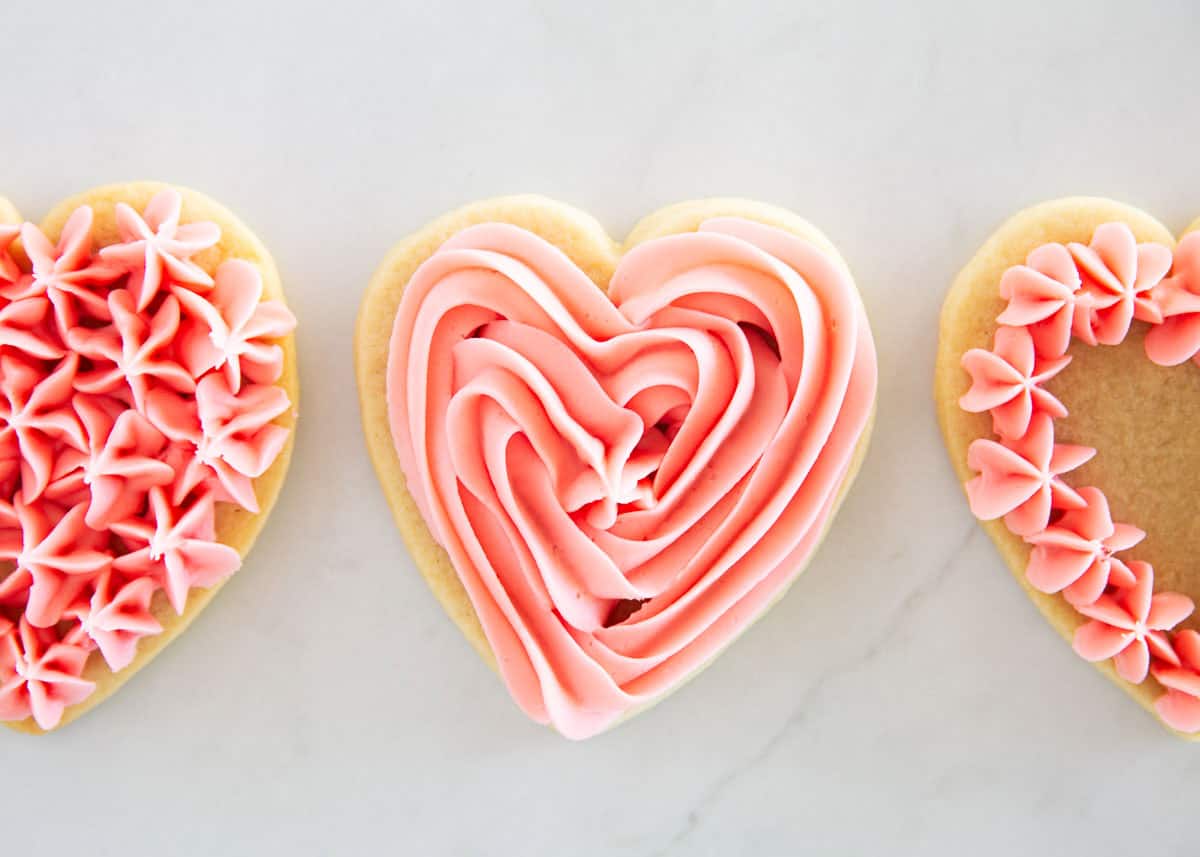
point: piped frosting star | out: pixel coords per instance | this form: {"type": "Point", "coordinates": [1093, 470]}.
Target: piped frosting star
{"type": "Point", "coordinates": [226, 435]}
{"type": "Point", "coordinates": [122, 462]}
{"type": "Point", "coordinates": [117, 616]}
{"type": "Point", "coordinates": [1045, 296]}
{"type": "Point", "coordinates": [1076, 555]}
{"type": "Point", "coordinates": [176, 547]}
{"type": "Point", "coordinates": [1119, 274]}
{"type": "Point", "coordinates": [1019, 480]}
{"type": "Point", "coordinates": [1177, 339]}
{"type": "Point", "coordinates": [235, 328]}
{"type": "Point", "coordinates": [39, 676]}
{"type": "Point", "coordinates": [35, 416]}
{"type": "Point", "coordinates": [132, 351]}
{"type": "Point", "coordinates": [1007, 381]}
{"type": "Point", "coordinates": [1131, 626]}
{"type": "Point", "coordinates": [64, 273]}
{"type": "Point", "coordinates": [60, 556]}
{"type": "Point", "coordinates": [1179, 706]}
{"type": "Point", "coordinates": [155, 246]}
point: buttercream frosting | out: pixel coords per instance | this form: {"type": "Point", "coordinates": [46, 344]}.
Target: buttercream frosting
{"type": "Point", "coordinates": [136, 392]}
{"type": "Point", "coordinates": [623, 482]}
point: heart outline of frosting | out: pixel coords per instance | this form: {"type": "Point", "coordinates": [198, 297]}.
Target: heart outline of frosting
{"type": "Point", "coordinates": [590, 248]}
{"type": "Point", "coordinates": [235, 527]}
{"type": "Point", "coordinates": [968, 321]}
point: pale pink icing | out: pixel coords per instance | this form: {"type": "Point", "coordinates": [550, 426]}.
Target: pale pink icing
{"type": "Point", "coordinates": [625, 482]}
{"type": "Point", "coordinates": [122, 423]}
{"type": "Point", "coordinates": [1093, 292]}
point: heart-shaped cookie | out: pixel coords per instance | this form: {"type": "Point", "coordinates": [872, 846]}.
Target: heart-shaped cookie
{"type": "Point", "coordinates": [609, 460]}
{"type": "Point", "coordinates": [147, 397]}
{"type": "Point", "coordinates": [1069, 419]}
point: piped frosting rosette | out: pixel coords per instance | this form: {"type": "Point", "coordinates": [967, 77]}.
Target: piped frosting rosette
{"type": "Point", "coordinates": [624, 482]}
{"type": "Point", "coordinates": [137, 396]}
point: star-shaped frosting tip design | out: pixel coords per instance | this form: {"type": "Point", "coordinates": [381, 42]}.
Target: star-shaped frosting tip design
{"type": "Point", "coordinates": [60, 556]}
{"type": "Point", "coordinates": [233, 327]}
{"type": "Point", "coordinates": [39, 675]}
{"type": "Point", "coordinates": [176, 547]}
{"type": "Point", "coordinates": [1119, 276]}
{"type": "Point", "coordinates": [117, 616]}
{"type": "Point", "coordinates": [65, 273]}
{"type": "Point", "coordinates": [1019, 480]}
{"type": "Point", "coordinates": [1131, 625]}
{"type": "Point", "coordinates": [157, 248]}
{"type": "Point", "coordinates": [1007, 381]}
{"type": "Point", "coordinates": [132, 351]}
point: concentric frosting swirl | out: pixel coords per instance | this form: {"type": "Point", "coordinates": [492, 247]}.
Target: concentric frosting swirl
{"type": "Point", "coordinates": [623, 482]}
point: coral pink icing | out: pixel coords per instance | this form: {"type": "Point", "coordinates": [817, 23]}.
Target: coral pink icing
{"type": "Point", "coordinates": [135, 393]}
{"type": "Point", "coordinates": [1007, 382]}
{"type": "Point", "coordinates": [1178, 297]}
{"type": "Point", "coordinates": [1180, 705]}
{"type": "Point", "coordinates": [1093, 292]}
{"type": "Point", "coordinates": [1130, 625]}
{"type": "Point", "coordinates": [624, 482]}
{"type": "Point", "coordinates": [1076, 555]}
{"type": "Point", "coordinates": [1019, 479]}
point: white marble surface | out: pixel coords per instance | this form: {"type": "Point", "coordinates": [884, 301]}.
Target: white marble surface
{"type": "Point", "coordinates": [904, 697]}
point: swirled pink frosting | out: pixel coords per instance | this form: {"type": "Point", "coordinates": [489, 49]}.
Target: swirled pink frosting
{"type": "Point", "coordinates": [624, 482]}
{"type": "Point", "coordinates": [136, 392]}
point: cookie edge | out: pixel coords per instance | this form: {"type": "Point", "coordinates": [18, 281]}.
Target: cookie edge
{"type": "Point", "coordinates": [588, 245]}
{"type": "Point", "coordinates": [235, 527]}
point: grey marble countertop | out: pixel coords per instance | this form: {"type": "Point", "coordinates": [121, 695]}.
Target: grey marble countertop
{"type": "Point", "coordinates": [904, 698]}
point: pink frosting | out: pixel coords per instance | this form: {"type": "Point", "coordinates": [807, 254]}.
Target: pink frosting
{"type": "Point", "coordinates": [1019, 479]}
{"type": "Point", "coordinates": [624, 482]}
{"type": "Point", "coordinates": [1178, 297]}
{"type": "Point", "coordinates": [40, 674]}
{"type": "Point", "coordinates": [1044, 297]}
{"type": "Point", "coordinates": [1180, 705]}
{"type": "Point", "coordinates": [1093, 292]}
{"type": "Point", "coordinates": [1118, 274]}
{"type": "Point", "coordinates": [135, 393]}
{"type": "Point", "coordinates": [1131, 624]}
{"type": "Point", "coordinates": [1007, 381]}
{"type": "Point", "coordinates": [1076, 555]}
